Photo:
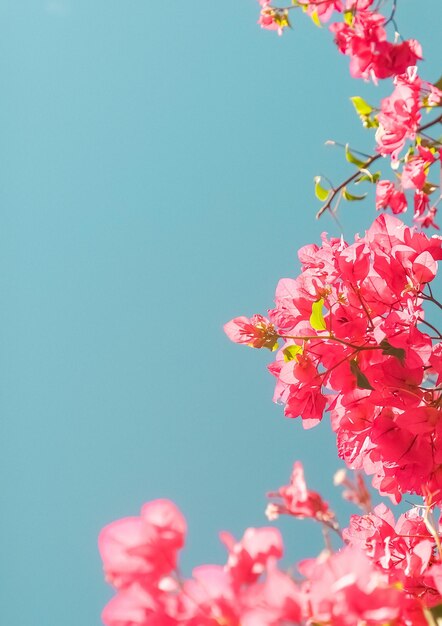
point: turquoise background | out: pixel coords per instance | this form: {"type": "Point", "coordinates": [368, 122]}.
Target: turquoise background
{"type": "Point", "coordinates": [156, 168]}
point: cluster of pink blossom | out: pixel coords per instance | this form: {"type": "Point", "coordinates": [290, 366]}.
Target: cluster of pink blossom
{"type": "Point", "coordinates": [386, 572]}
{"type": "Point", "coordinates": [352, 339]}
{"type": "Point", "coordinates": [364, 40]}
{"type": "Point", "coordinates": [296, 500]}
{"type": "Point", "coordinates": [362, 35]}
{"type": "Point", "coordinates": [140, 561]}
{"type": "Point", "coordinates": [399, 120]}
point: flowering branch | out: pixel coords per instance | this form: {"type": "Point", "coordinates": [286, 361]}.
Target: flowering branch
{"type": "Point", "coordinates": [349, 341]}
{"type": "Point", "coordinates": [364, 168]}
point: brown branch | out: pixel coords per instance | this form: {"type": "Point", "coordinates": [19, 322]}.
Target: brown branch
{"type": "Point", "coordinates": [370, 161]}
{"type": "Point", "coordinates": [338, 189]}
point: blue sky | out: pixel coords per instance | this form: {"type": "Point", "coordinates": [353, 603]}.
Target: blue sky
{"type": "Point", "coordinates": [157, 166]}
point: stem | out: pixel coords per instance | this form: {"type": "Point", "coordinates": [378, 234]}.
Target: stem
{"type": "Point", "coordinates": [370, 161]}
{"type": "Point", "coordinates": [430, 326]}
{"type": "Point", "coordinates": [431, 527]}
{"type": "Point", "coordinates": [334, 193]}
{"type": "Point", "coordinates": [329, 338]}
{"type": "Point", "coordinates": [332, 142]}
{"type": "Point", "coordinates": [393, 11]}
{"type": "Point", "coordinates": [431, 299]}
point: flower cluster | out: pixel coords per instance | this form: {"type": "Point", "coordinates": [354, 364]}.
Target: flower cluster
{"type": "Point", "coordinates": [362, 35]}
{"type": "Point", "coordinates": [140, 561]}
{"type": "Point", "coordinates": [364, 40]}
{"type": "Point", "coordinates": [385, 573]}
{"type": "Point", "coordinates": [399, 120]}
{"type": "Point", "coordinates": [296, 500]}
{"type": "Point", "coordinates": [351, 338]}
{"type": "Point", "coordinates": [354, 340]}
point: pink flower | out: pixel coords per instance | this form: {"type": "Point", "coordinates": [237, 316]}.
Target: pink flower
{"type": "Point", "coordinates": [355, 491]}
{"type": "Point", "coordinates": [323, 9]}
{"type": "Point", "coordinates": [400, 114]}
{"type": "Point", "coordinates": [371, 55]}
{"type": "Point", "coordinates": [295, 499]}
{"type": "Point", "coordinates": [367, 359]}
{"type": "Point", "coordinates": [413, 174]}
{"type": "Point", "coordinates": [346, 588]}
{"type": "Point", "coordinates": [272, 18]}
{"type": "Point", "coordinates": [136, 606]}
{"type": "Point", "coordinates": [143, 549]}
{"type": "Point", "coordinates": [256, 332]}
{"type": "Point", "coordinates": [426, 220]}
{"type": "Point", "coordinates": [248, 558]}
{"type": "Point", "coordinates": [388, 196]}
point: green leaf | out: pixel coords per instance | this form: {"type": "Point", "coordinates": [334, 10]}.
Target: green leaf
{"type": "Point", "coordinates": [315, 19]}
{"type": "Point", "coordinates": [434, 615]}
{"type": "Point", "coordinates": [439, 83]}
{"type": "Point", "coordinates": [317, 320]}
{"type": "Point", "coordinates": [361, 379]}
{"type": "Point", "coordinates": [390, 350]}
{"type": "Point", "coordinates": [362, 108]}
{"type": "Point", "coordinates": [352, 159]}
{"type": "Point", "coordinates": [290, 353]}
{"type": "Point", "coordinates": [370, 122]}
{"type": "Point", "coordinates": [349, 18]}
{"type": "Point", "coordinates": [371, 177]}
{"type": "Point", "coordinates": [281, 17]}
{"type": "Point", "coordinates": [351, 197]}
{"type": "Point", "coordinates": [321, 193]}
{"type": "Point", "coordinates": [429, 188]}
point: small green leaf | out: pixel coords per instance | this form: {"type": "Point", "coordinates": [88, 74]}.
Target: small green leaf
{"type": "Point", "coordinates": [321, 193]}
{"type": "Point", "coordinates": [370, 122]}
{"type": "Point", "coordinates": [367, 176]}
{"type": "Point", "coordinates": [317, 320]}
{"type": "Point", "coordinates": [429, 188]}
{"type": "Point", "coordinates": [434, 615]}
{"type": "Point", "coordinates": [439, 83]}
{"type": "Point", "coordinates": [315, 19]}
{"type": "Point", "coordinates": [361, 379]}
{"type": "Point", "coordinates": [349, 18]}
{"type": "Point", "coordinates": [352, 159]}
{"type": "Point", "coordinates": [281, 17]}
{"type": "Point", "coordinates": [390, 350]}
{"type": "Point", "coordinates": [362, 108]}
{"type": "Point", "coordinates": [351, 197]}
{"type": "Point", "coordinates": [290, 353]}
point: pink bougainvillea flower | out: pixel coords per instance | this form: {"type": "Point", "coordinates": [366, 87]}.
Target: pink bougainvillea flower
{"type": "Point", "coordinates": [346, 588]}
{"type": "Point", "coordinates": [400, 114]}
{"type": "Point", "coordinates": [353, 340]}
{"type": "Point", "coordinates": [143, 549]}
{"type": "Point", "coordinates": [426, 220]}
{"type": "Point", "coordinates": [272, 18]}
{"type": "Point", "coordinates": [296, 500]}
{"type": "Point", "coordinates": [136, 606]}
{"type": "Point", "coordinates": [389, 196]}
{"type": "Point", "coordinates": [354, 490]}
{"type": "Point", "coordinates": [372, 57]}
{"type": "Point", "coordinates": [415, 170]}
{"type": "Point", "coordinates": [248, 558]}
{"type": "Point", "coordinates": [322, 9]}
{"type": "Point", "coordinates": [256, 332]}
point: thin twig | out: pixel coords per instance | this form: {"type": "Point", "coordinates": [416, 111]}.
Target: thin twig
{"type": "Point", "coordinates": [367, 164]}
